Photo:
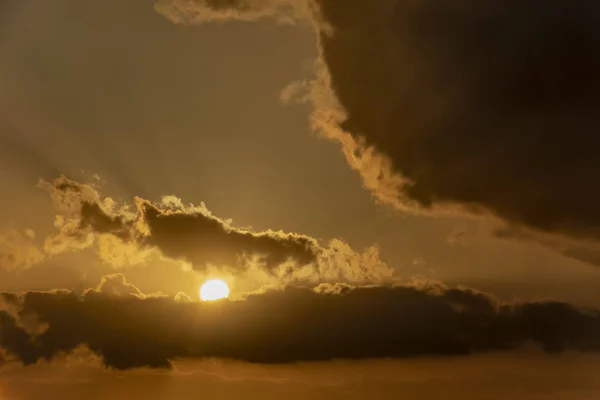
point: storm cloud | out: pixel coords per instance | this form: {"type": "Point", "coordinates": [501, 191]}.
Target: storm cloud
{"type": "Point", "coordinates": [294, 324]}
{"type": "Point", "coordinates": [481, 103]}
{"type": "Point", "coordinates": [485, 105]}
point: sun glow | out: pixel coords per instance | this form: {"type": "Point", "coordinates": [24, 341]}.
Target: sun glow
{"type": "Point", "coordinates": [214, 289]}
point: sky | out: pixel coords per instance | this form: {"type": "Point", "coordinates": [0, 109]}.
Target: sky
{"type": "Point", "coordinates": [401, 195]}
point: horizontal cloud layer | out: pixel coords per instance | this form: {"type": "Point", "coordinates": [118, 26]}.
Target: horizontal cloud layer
{"type": "Point", "coordinates": [128, 329]}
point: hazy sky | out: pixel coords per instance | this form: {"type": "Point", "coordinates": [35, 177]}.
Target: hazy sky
{"type": "Point", "coordinates": [488, 108]}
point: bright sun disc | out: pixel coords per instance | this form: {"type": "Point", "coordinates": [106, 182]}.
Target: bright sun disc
{"type": "Point", "coordinates": [214, 289]}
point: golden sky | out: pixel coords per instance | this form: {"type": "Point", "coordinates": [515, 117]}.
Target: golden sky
{"type": "Point", "coordinates": [373, 179]}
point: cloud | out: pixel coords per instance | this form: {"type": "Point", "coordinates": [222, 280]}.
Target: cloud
{"type": "Point", "coordinates": [292, 324]}
{"type": "Point", "coordinates": [116, 285]}
{"type": "Point", "coordinates": [124, 235]}
{"type": "Point", "coordinates": [583, 254]}
{"type": "Point", "coordinates": [182, 297]}
{"type": "Point", "coordinates": [200, 11]}
{"type": "Point", "coordinates": [586, 251]}
{"type": "Point", "coordinates": [494, 377]}
{"type": "Point", "coordinates": [481, 105]}
{"type": "Point", "coordinates": [18, 250]}
{"type": "Point", "coordinates": [179, 231]}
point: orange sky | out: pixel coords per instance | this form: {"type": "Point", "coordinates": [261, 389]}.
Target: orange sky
{"type": "Point", "coordinates": [131, 101]}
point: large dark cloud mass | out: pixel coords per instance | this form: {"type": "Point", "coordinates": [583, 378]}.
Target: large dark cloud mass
{"type": "Point", "coordinates": [479, 102]}
{"type": "Point", "coordinates": [130, 330]}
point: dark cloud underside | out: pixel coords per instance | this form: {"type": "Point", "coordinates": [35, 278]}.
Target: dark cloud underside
{"type": "Point", "coordinates": [179, 231]}
{"type": "Point", "coordinates": [483, 103]}
{"type": "Point", "coordinates": [130, 330]}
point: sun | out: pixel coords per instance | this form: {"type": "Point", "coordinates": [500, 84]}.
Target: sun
{"type": "Point", "coordinates": [214, 289]}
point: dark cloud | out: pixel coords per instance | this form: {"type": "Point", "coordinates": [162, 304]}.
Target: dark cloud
{"type": "Point", "coordinates": [480, 103]}
{"type": "Point", "coordinates": [586, 255]}
{"type": "Point", "coordinates": [586, 251]}
{"type": "Point", "coordinates": [132, 234]}
{"type": "Point", "coordinates": [204, 239]}
{"type": "Point", "coordinates": [179, 231]}
{"type": "Point", "coordinates": [295, 324]}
